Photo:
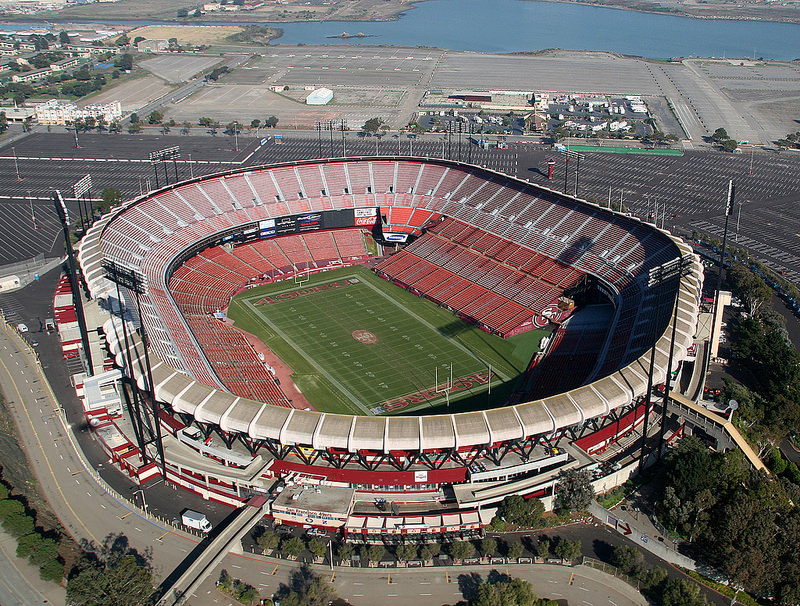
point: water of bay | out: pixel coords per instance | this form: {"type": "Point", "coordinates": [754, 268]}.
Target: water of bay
{"type": "Point", "coordinates": [501, 26]}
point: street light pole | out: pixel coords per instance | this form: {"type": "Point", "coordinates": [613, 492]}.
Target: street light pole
{"type": "Point", "coordinates": [16, 165]}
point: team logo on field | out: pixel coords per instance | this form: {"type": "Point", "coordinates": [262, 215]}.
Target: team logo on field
{"type": "Point", "coordinates": [364, 336]}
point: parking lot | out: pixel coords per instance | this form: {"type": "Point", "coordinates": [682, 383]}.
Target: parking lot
{"type": "Point", "coordinates": [689, 191]}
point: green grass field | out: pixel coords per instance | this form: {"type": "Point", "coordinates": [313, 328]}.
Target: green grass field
{"type": "Point", "coordinates": [360, 345]}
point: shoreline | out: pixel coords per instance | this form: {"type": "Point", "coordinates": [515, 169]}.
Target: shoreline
{"type": "Point", "coordinates": [248, 20]}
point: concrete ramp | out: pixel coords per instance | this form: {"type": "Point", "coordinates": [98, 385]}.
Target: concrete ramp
{"type": "Point", "coordinates": [209, 553]}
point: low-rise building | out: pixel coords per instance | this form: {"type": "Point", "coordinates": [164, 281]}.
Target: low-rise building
{"type": "Point", "coordinates": [320, 96]}
{"type": "Point", "coordinates": [152, 46]}
{"type": "Point", "coordinates": [59, 112]}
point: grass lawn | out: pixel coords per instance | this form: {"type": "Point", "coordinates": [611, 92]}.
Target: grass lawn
{"type": "Point", "coordinates": [358, 344]}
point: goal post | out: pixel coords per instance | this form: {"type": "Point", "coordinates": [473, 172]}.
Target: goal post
{"type": "Point", "coordinates": [301, 276]}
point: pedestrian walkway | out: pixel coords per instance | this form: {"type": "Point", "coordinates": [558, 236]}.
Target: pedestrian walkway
{"type": "Point", "coordinates": [640, 529]}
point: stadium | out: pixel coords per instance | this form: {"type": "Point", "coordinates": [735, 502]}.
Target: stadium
{"type": "Point", "coordinates": [594, 304]}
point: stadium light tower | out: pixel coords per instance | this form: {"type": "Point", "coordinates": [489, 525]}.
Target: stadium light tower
{"type": "Point", "coordinates": [683, 269]}
{"type": "Point", "coordinates": [134, 282]}
{"type": "Point", "coordinates": [77, 297]}
{"type": "Point", "coordinates": [729, 206]}
{"type": "Point", "coordinates": [658, 277]}
{"type": "Point", "coordinates": [82, 192]}
{"type": "Point", "coordinates": [162, 155]}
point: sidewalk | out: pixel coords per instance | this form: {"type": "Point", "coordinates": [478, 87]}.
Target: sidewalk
{"type": "Point", "coordinates": [640, 529]}
{"type": "Point", "coordinates": [22, 585]}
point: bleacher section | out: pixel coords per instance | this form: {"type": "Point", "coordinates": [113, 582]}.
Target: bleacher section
{"type": "Point", "coordinates": [205, 283]}
{"type": "Point", "coordinates": [573, 352]}
{"type": "Point", "coordinates": [529, 222]}
{"type": "Point", "coordinates": [454, 264]}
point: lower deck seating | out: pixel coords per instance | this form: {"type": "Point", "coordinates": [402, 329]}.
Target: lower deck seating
{"type": "Point", "coordinates": [205, 283]}
{"type": "Point", "coordinates": [452, 264]}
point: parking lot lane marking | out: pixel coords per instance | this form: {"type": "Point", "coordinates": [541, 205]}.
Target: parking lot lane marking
{"type": "Point", "coordinates": [161, 538]}
{"type": "Point", "coordinates": [274, 570]}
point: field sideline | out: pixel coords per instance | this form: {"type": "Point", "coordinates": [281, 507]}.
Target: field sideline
{"type": "Point", "coordinates": [360, 345]}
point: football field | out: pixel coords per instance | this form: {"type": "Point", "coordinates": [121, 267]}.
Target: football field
{"type": "Point", "coordinates": [360, 345]}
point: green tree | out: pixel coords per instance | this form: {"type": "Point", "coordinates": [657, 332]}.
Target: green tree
{"type": "Point", "coordinates": [138, 39]}
{"type": "Point", "coordinates": [750, 288]}
{"type": "Point", "coordinates": [507, 592]}
{"type": "Point", "coordinates": [720, 135]}
{"type": "Point", "coordinates": [36, 548]}
{"type": "Point", "coordinates": [255, 123]}
{"type": "Point", "coordinates": [4, 492]}
{"type": "Point", "coordinates": [135, 127]}
{"type": "Point", "coordinates": [317, 547]}
{"type": "Point", "coordinates": [567, 550]}
{"type": "Point", "coordinates": [308, 589]}
{"type": "Point", "coordinates": [225, 580]}
{"type": "Point", "coordinates": [574, 490]}
{"type": "Point", "coordinates": [680, 592]}
{"type": "Point", "coordinates": [268, 539]}
{"type": "Point", "coordinates": [344, 551]}
{"type": "Point", "coordinates": [489, 546]}
{"type": "Point", "coordinates": [244, 592]}
{"type": "Point", "coordinates": [406, 552]}
{"type": "Point", "coordinates": [514, 550]}
{"type": "Point", "coordinates": [155, 117]}
{"type": "Point", "coordinates": [543, 547]}
{"type": "Point", "coordinates": [372, 125]}
{"type": "Point", "coordinates": [652, 578]}
{"type": "Point", "coordinates": [293, 546]}
{"type": "Point", "coordinates": [134, 119]}
{"type": "Point", "coordinates": [121, 581]}
{"type": "Point", "coordinates": [3, 122]}
{"type": "Point", "coordinates": [109, 198]}
{"type": "Point", "coordinates": [63, 38]}
{"type": "Point", "coordinates": [14, 517]}
{"type": "Point", "coordinates": [52, 571]}
{"type": "Point", "coordinates": [271, 122]}
{"type": "Point", "coordinates": [460, 550]}
{"type": "Point", "coordinates": [124, 62]}
{"type": "Point", "coordinates": [429, 551]}
{"type": "Point", "coordinates": [625, 557]}
{"type": "Point", "coordinates": [372, 553]}
{"type": "Point", "coordinates": [515, 509]}
{"type": "Point", "coordinates": [182, 13]}
{"type": "Point", "coordinates": [729, 145]}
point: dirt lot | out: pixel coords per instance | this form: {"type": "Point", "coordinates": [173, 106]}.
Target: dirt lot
{"type": "Point", "coordinates": [178, 68]}
{"type": "Point", "coordinates": [187, 34]}
{"type": "Point", "coordinates": [133, 94]}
